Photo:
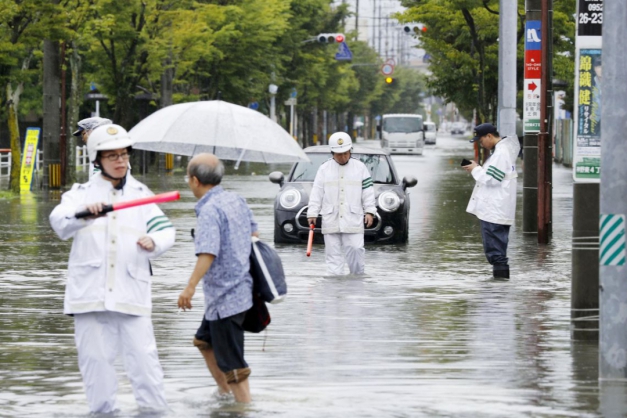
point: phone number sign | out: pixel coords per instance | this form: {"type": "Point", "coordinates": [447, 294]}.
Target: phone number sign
{"type": "Point", "coordinates": [590, 18]}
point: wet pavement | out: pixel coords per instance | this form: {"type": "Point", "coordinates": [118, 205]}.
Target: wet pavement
{"type": "Point", "coordinates": [426, 333]}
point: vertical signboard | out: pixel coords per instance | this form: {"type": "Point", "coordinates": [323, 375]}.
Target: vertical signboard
{"type": "Point", "coordinates": [29, 158]}
{"type": "Point", "coordinates": [533, 71]}
{"type": "Point", "coordinates": [587, 144]}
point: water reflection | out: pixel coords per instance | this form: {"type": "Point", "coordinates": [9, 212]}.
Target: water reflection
{"type": "Point", "coordinates": [425, 333]}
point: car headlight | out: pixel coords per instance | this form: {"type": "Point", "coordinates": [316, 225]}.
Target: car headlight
{"type": "Point", "coordinates": [290, 198]}
{"type": "Point", "coordinates": [389, 201]}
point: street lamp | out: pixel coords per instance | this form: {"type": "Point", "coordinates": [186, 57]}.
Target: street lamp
{"type": "Point", "coordinates": [273, 89]}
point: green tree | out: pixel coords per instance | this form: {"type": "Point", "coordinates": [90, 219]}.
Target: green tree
{"type": "Point", "coordinates": [23, 25]}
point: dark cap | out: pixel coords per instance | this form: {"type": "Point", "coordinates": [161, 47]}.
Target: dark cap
{"type": "Point", "coordinates": [482, 130]}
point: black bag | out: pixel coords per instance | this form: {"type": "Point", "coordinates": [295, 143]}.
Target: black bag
{"type": "Point", "coordinates": [266, 269]}
{"type": "Point", "coordinates": [257, 317]}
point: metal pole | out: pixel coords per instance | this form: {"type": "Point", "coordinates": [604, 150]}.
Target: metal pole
{"type": "Point", "coordinates": [613, 294]}
{"type": "Point", "coordinates": [357, 20]}
{"type": "Point", "coordinates": [63, 136]}
{"type": "Point", "coordinates": [273, 108]}
{"type": "Point", "coordinates": [507, 68]}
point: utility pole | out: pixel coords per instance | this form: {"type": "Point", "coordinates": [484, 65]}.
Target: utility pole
{"type": "Point", "coordinates": [531, 123]}
{"type": "Point", "coordinates": [52, 117]}
{"type": "Point", "coordinates": [586, 169]}
{"type": "Point", "coordinates": [613, 326]}
{"type": "Point", "coordinates": [545, 146]}
{"type": "Point", "coordinates": [507, 68]}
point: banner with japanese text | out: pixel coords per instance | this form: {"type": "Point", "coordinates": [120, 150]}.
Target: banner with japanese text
{"type": "Point", "coordinates": [29, 158]}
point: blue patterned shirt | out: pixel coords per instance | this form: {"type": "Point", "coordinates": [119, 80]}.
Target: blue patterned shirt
{"type": "Point", "coordinates": [224, 228]}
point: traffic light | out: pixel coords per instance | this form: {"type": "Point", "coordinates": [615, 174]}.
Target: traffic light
{"type": "Point", "coordinates": [415, 28]}
{"type": "Point", "coordinates": [390, 80]}
{"type": "Point", "coordinates": [330, 38]}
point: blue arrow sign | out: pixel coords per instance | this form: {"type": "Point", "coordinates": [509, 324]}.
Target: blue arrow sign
{"type": "Point", "coordinates": [343, 53]}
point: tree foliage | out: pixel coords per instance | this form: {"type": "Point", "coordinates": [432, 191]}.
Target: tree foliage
{"type": "Point", "coordinates": [462, 41]}
{"type": "Point", "coordinates": [228, 49]}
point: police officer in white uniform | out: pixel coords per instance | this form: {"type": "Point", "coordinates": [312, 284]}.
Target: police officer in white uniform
{"type": "Point", "coordinates": [85, 128]}
{"type": "Point", "coordinates": [343, 194]}
{"type": "Point", "coordinates": [108, 288]}
{"type": "Point", "coordinates": [493, 199]}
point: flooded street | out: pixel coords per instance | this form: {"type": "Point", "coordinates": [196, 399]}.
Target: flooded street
{"type": "Point", "coordinates": [426, 333]}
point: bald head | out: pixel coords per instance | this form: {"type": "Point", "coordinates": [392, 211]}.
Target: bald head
{"type": "Point", "coordinates": [207, 168]}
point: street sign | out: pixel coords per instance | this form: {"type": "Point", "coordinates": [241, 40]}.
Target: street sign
{"type": "Point", "coordinates": [254, 105]}
{"type": "Point", "coordinates": [532, 105]}
{"type": "Point", "coordinates": [532, 75]}
{"type": "Point", "coordinates": [290, 102]}
{"type": "Point", "coordinates": [387, 69]}
{"type": "Point", "coordinates": [587, 95]}
{"type": "Point", "coordinates": [343, 52]}
{"type": "Point", "coordinates": [390, 61]}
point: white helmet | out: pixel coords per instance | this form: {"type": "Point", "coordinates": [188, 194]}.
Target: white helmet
{"type": "Point", "coordinates": [90, 124]}
{"type": "Point", "coordinates": [340, 142]}
{"type": "Point", "coordinates": [107, 137]}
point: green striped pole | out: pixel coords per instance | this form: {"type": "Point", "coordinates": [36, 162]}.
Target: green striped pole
{"type": "Point", "coordinates": [612, 269]}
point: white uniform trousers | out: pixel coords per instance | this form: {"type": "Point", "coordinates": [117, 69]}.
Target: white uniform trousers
{"type": "Point", "coordinates": [99, 337]}
{"type": "Point", "coordinates": [336, 245]}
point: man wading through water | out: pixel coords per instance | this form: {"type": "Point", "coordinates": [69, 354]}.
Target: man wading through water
{"type": "Point", "coordinates": [222, 241]}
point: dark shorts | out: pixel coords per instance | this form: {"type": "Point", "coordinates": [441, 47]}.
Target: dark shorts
{"type": "Point", "coordinates": [226, 337]}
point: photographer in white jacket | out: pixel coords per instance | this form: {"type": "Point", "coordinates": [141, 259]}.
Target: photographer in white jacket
{"type": "Point", "coordinates": [493, 199]}
{"type": "Point", "coordinates": [108, 287]}
{"type": "Point", "coordinates": [343, 194]}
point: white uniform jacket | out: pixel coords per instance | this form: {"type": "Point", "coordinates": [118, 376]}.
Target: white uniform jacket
{"type": "Point", "coordinates": [341, 194]}
{"type": "Point", "coordinates": [494, 196]}
{"type": "Point", "coordinates": [107, 270]}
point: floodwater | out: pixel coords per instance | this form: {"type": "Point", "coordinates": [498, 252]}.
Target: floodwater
{"type": "Point", "coordinates": [426, 333]}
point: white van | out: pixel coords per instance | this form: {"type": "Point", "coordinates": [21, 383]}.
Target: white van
{"type": "Point", "coordinates": [431, 133]}
{"type": "Point", "coordinates": [402, 133]}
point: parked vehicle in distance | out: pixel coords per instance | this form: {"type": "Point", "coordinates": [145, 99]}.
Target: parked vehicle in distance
{"type": "Point", "coordinates": [402, 133]}
{"type": "Point", "coordinates": [431, 133]}
{"type": "Point", "coordinates": [458, 128]}
{"type": "Point", "coordinates": [391, 225]}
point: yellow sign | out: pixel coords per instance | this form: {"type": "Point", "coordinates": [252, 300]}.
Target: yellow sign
{"type": "Point", "coordinates": [29, 158]}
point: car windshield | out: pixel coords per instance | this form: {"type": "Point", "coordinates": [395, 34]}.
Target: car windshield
{"type": "Point", "coordinates": [377, 165]}
{"type": "Point", "coordinates": [429, 127]}
{"type": "Point", "coordinates": [405, 125]}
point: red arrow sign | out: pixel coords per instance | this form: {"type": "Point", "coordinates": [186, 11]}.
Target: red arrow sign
{"type": "Point", "coordinates": [532, 86]}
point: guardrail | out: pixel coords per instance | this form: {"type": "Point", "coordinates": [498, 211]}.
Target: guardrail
{"type": "Point", "coordinates": [82, 160]}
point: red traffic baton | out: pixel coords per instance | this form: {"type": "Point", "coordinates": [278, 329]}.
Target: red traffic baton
{"type": "Point", "coordinates": [310, 241]}
{"type": "Point", "coordinates": [158, 198]}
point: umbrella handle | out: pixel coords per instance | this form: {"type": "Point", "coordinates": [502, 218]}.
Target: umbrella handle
{"type": "Point", "coordinates": [310, 241]}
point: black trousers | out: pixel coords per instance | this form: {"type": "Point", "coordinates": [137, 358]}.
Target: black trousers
{"type": "Point", "coordinates": [495, 238]}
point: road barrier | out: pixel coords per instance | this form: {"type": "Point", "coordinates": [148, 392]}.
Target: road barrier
{"type": "Point", "coordinates": [82, 160]}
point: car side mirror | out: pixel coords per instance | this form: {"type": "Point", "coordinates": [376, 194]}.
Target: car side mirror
{"type": "Point", "coordinates": [277, 177]}
{"type": "Point", "coordinates": [409, 181]}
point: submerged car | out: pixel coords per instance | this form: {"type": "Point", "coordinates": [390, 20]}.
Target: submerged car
{"type": "Point", "coordinates": [392, 198]}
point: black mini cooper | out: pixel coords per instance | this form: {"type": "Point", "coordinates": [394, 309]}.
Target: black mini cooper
{"type": "Point", "coordinates": [290, 207]}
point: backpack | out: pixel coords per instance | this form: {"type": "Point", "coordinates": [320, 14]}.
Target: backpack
{"type": "Point", "coordinates": [266, 270]}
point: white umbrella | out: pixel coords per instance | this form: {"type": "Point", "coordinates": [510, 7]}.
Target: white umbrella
{"type": "Point", "coordinates": [229, 131]}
